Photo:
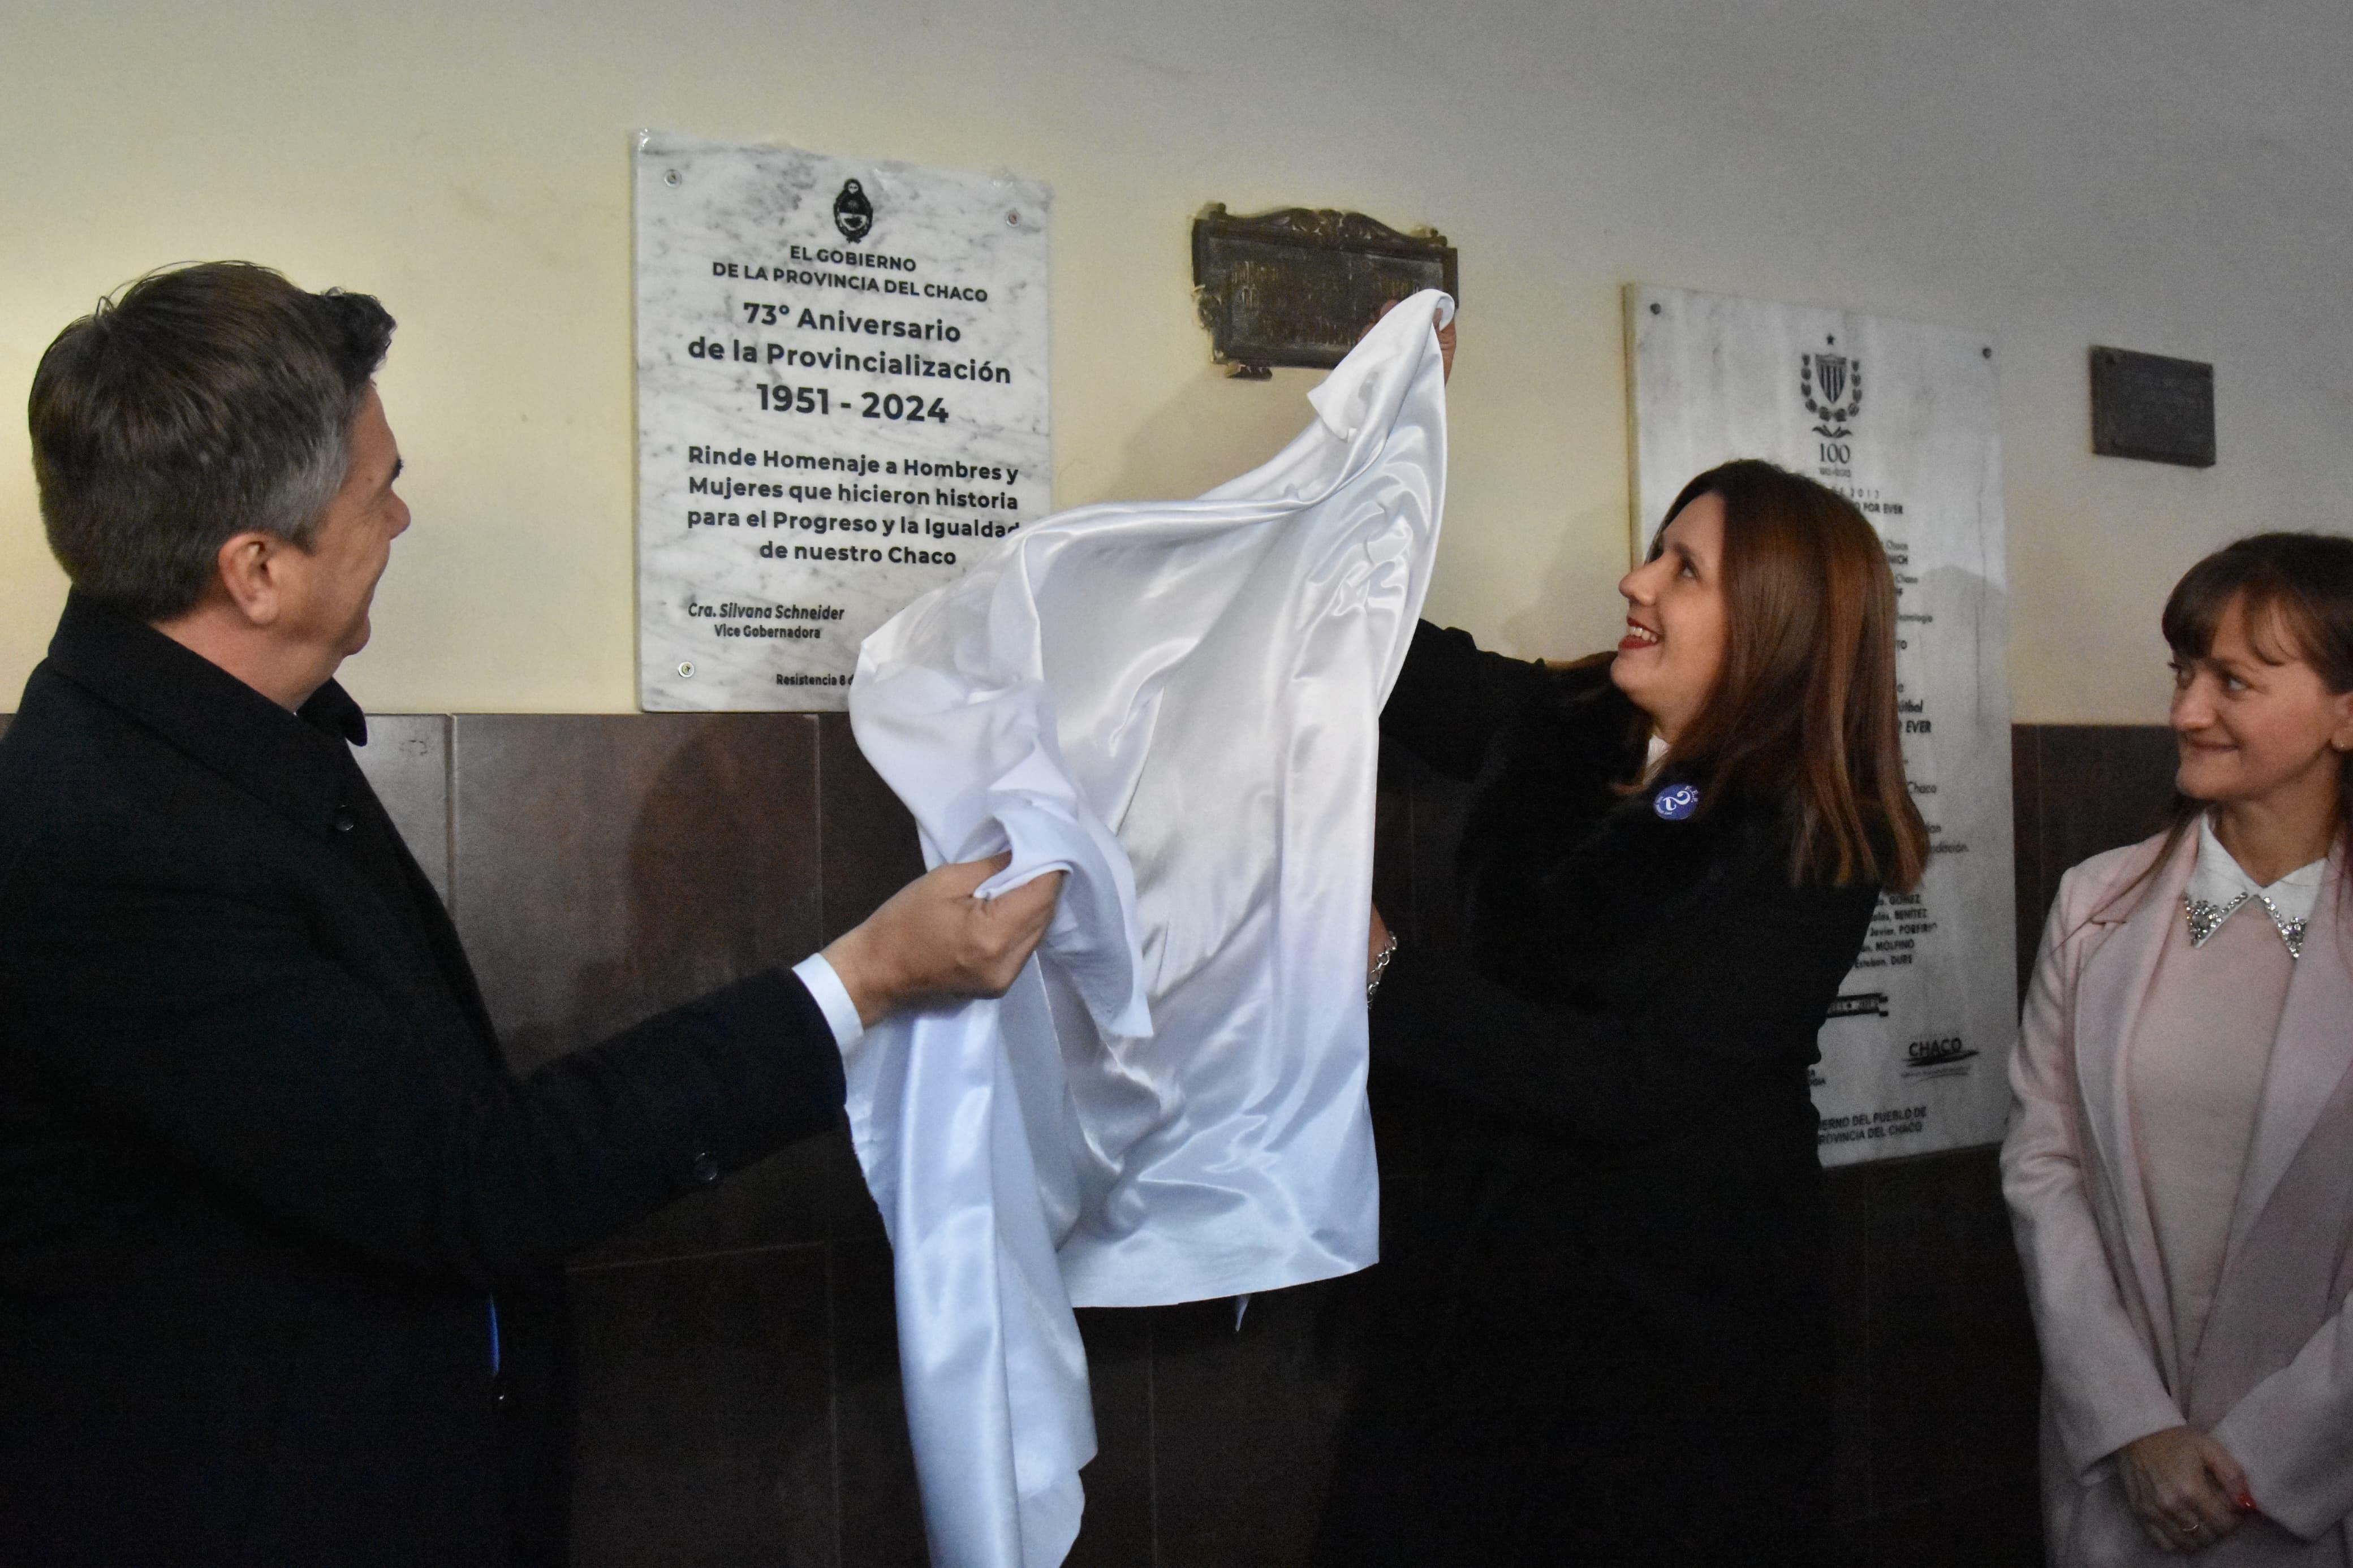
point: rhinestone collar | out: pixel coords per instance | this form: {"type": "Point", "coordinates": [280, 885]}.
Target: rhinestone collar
{"type": "Point", "coordinates": [2220, 888]}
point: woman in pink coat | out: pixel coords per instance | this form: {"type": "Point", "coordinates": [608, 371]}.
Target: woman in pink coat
{"type": "Point", "coordinates": [2180, 1164]}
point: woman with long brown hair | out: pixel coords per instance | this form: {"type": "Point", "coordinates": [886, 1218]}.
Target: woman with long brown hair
{"type": "Point", "coordinates": [1606, 1334]}
{"type": "Point", "coordinates": [2180, 1164]}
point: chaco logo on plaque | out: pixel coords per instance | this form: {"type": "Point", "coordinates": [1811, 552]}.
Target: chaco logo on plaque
{"type": "Point", "coordinates": [842, 405]}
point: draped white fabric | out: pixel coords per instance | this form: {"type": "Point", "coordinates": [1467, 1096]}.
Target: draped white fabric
{"type": "Point", "coordinates": [1177, 703]}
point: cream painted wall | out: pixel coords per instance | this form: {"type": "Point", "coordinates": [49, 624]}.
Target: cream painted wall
{"type": "Point", "coordinates": [2161, 174]}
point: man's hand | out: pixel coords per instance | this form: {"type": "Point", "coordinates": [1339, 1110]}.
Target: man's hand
{"type": "Point", "coordinates": [2184, 1488]}
{"type": "Point", "coordinates": [933, 938]}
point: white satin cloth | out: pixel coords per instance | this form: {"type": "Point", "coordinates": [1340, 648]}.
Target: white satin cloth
{"type": "Point", "coordinates": [1177, 703]}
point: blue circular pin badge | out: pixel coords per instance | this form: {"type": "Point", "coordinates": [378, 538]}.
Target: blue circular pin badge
{"type": "Point", "coordinates": [1675, 802]}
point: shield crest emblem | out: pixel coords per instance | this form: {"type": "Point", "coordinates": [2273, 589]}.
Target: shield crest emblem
{"type": "Point", "coordinates": [1831, 385]}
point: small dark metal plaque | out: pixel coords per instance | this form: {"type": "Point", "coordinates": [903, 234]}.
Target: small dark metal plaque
{"type": "Point", "coordinates": [1298, 286]}
{"type": "Point", "coordinates": [2148, 406]}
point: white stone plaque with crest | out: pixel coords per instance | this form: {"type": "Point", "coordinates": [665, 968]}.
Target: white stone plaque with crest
{"type": "Point", "coordinates": [1901, 418]}
{"type": "Point", "coordinates": [842, 403]}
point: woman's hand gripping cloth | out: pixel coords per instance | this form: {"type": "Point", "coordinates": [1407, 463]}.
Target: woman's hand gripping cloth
{"type": "Point", "coordinates": [1178, 704]}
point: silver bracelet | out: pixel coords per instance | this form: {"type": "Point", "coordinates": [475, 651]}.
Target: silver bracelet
{"type": "Point", "coordinates": [1380, 967]}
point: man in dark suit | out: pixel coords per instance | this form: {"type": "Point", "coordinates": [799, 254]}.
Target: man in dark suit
{"type": "Point", "coordinates": [281, 1237]}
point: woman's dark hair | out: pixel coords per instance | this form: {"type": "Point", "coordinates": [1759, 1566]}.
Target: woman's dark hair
{"type": "Point", "coordinates": [1803, 711]}
{"type": "Point", "coordinates": [2295, 593]}
{"type": "Point", "coordinates": [204, 402]}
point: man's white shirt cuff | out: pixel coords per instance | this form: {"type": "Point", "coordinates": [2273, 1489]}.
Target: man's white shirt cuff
{"type": "Point", "coordinates": [832, 999]}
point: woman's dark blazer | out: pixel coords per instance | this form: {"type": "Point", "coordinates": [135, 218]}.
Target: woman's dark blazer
{"type": "Point", "coordinates": [1619, 1239]}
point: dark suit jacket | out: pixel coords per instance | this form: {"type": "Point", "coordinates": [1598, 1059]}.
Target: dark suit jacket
{"type": "Point", "coordinates": [262, 1171]}
{"type": "Point", "coordinates": [1619, 1250]}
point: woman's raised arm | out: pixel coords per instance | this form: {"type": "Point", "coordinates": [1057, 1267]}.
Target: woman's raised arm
{"type": "Point", "coordinates": [1452, 696]}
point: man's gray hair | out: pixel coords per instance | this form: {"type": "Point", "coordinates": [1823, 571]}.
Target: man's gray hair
{"type": "Point", "coordinates": [204, 401]}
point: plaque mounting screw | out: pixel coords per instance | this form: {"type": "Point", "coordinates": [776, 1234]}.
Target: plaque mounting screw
{"type": "Point", "coordinates": [1654, 307]}
{"type": "Point", "coordinates": [686, 669]}
{"type": "Point", "coordinates": [1013, 220]}
{"type": "Point", "coordinates": [669, 176]}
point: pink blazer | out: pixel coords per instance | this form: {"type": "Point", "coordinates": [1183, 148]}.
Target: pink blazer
{"type": "Point", "coordinates": [2273, 1379]}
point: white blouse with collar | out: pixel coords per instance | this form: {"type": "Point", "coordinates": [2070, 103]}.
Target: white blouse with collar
{"type": "Point", "coordinates": [2220, 888]}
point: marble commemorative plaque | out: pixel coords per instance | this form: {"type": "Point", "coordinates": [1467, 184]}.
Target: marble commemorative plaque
{"type": "Point", "coordinates": [842, 403]}
{"type": "Point", "coordinates": [1902, 419]}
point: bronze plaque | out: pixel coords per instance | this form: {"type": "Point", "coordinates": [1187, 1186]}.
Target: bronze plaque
{"type": "Point", "coordinates": [2149, 407]}
{"type": "Point", "coordinates": [1298, 286]}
